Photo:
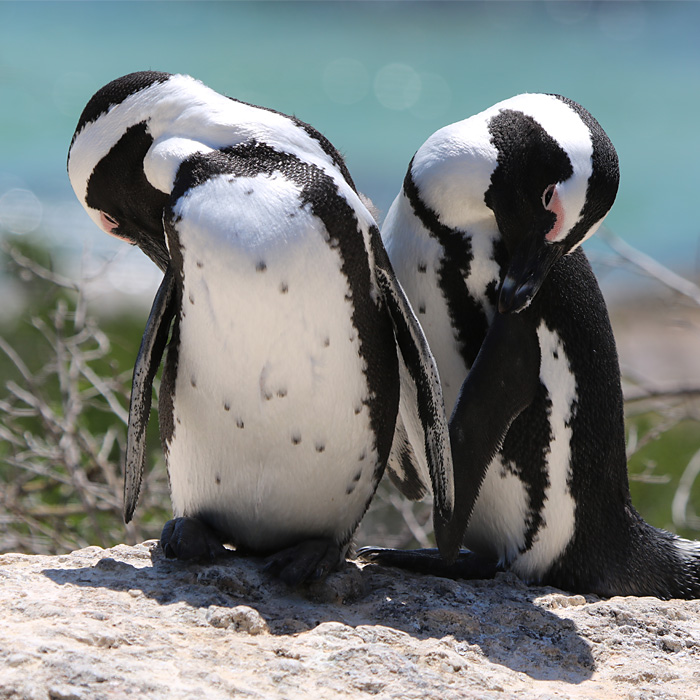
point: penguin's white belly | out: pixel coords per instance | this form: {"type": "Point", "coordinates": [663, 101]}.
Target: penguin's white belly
{"type": "Point", "coordinates": [498, 523]}
{"type": "Point", "coordinates": [502, 512]}
{"type": "Point", "coordinates": [272, 441]}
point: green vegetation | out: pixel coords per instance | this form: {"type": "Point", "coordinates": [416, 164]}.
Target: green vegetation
{"type": "Point", "coordinates": [63, 408]}
{"type": "Point", "coordinates": [657, 467]}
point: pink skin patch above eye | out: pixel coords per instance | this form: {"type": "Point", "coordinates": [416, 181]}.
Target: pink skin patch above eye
{"type": "Point", "coordinates": [556, 206]}
{"type": "Point", "coordinates": [110, 226]}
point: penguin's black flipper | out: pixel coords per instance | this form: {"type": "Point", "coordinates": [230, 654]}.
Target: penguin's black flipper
{"type": "Point", "coordinates": [403, 466]}
{"type": "Point", "coordinates": [421, 443]}
{"type": "Point", "coordinates": [155, 337]}
{"type": "Point", "coordinates": [468, 565]}
{"type": "Point", "coordinates": [502, 382]}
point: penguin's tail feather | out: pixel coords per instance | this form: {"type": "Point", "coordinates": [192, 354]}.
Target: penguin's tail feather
{"type": "Point", "coordinates": [628, 556]}
{"type": "Point", "coordinates": [657, 563]}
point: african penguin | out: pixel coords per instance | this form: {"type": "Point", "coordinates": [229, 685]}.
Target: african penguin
{"type": "Point", "coordinates": [484, 237]}
{"type": "Point", "coordinates": [282, 390]}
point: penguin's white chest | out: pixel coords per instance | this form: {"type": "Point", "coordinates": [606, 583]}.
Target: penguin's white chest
{"type": "Point", "coordinates": [503, 513]}
{"type": "Point", "coordinates": [272, 441]}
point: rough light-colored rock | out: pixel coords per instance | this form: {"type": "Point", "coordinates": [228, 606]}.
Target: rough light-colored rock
{"type": "Point", "coordinates": [125, 623]}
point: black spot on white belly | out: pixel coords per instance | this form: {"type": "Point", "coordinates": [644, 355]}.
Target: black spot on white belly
{"type": "Point", "coordinates": [422, 267]}
{"type": "Point", "coordinates": [281, 393]}
{"type": "Point", "coordinates": [218, 479]}
{"type": "Point", "coordinates": [296, 438]}
{"type": "Point", "coordinates": [193, 382]}
{"type": "Point", "coordinates": [261, 266]}
{"type": "Point", "coordinates": [326, 342]}
{"type": "Point", "coordinates": [284, 288]}
{"type": "Point", "coordinates": [362, 456]}
{"type": "Point", "coordinates": [227, 406]}
{"type": "Point", "coordinates": [355, 481]}
{"type": "Point", "coordinates": [320, 447]}
{"type": "Point", "coordinates": [239, 423]}
{"type": "Point", "coordinates": [191, 298]}
{"type": "Point", "coordinates": [200, 264]}
{"type": "Point", "coordinates": [249, 192]}
{"type": "Point", "coordinates": [421, 309]}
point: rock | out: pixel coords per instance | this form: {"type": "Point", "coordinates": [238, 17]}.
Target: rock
{"type": "Point", "coordinates": [125, 622]}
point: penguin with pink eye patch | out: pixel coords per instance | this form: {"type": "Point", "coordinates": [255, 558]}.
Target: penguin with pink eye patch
{"type": "Point", "coordinates": [295, 371]}
{"type": "Point", "coordinates": [485, 239]}
{"type": "Point", "coordinates": [551, 187]}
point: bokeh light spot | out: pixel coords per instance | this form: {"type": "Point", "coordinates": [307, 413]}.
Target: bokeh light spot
{"type": "Point", "coordinates": [20, 211]}
{"type": "Point", "coordinates": [397, 86]}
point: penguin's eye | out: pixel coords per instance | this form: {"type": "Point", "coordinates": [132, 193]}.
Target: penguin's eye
{"type": "Point", "coordinates": [547, 196]}
{"type": "Point", "coordinates": [109, 223]}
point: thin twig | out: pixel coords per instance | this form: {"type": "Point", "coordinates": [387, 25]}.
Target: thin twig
{"type": "Point", "coordinates": [649, 266]}
{"type": "Point", "coordinates": [681, 498]}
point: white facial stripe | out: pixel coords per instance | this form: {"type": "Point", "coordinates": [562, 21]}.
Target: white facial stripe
{"type": "Point", "coordinates": [565, 126]}
{"type": "Point", "coordinates": [179, 107]}
{"type": "Point", "coordinates": [192, 117]}
{"type": "Point", "coordinates": [452, 171]}
{"type": "Point", "coordinates": [589, 233]}
{"type": "Point", "coordinates": [453, 168]}
{"type": "Point", "coordinates": [97, 138]}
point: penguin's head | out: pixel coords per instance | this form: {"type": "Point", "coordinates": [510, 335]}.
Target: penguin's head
{"type": "Point", "coordinates": [539, 165]}
{"type": "Point", "coordinates": [106, 163]}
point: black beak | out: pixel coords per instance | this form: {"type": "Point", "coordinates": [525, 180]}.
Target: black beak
{"type": "Point", "coordinates": [151, 242]}
{"type": "Point", "coordinates": [529, 266]}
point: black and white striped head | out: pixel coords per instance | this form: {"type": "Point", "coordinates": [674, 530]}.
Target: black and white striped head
{"type": "Point", "coordinates": [135, 133]}
{"type": "Point", "coordinates": [106, 163]}
{"type": "Point", "coordinates": [538, 165]}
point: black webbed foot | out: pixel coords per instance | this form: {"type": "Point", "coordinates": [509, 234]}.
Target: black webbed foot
{"type": "Point", "coordinates": [189, 539]}
{"type": "Point", "coordinates": [468, 565]}
{"type": "Point", "coordinates": [308, 561]}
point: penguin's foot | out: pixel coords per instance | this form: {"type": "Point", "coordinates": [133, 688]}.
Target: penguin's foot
{"type": "Point", "coordinates": [468, 565]}
{"type": "Point", "coordinates": [189, 539]}
{"type": "Point", "coordinates": [308, 561]}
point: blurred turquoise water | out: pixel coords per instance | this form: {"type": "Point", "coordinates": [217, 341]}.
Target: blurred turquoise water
{"type": "Point", "coordinates": [377, 78]}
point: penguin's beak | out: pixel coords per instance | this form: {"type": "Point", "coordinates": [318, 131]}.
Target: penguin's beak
{"type": "Point", "coordinates": [529, 267]}
{"type": "Point", "coordinates": [150, 240]}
